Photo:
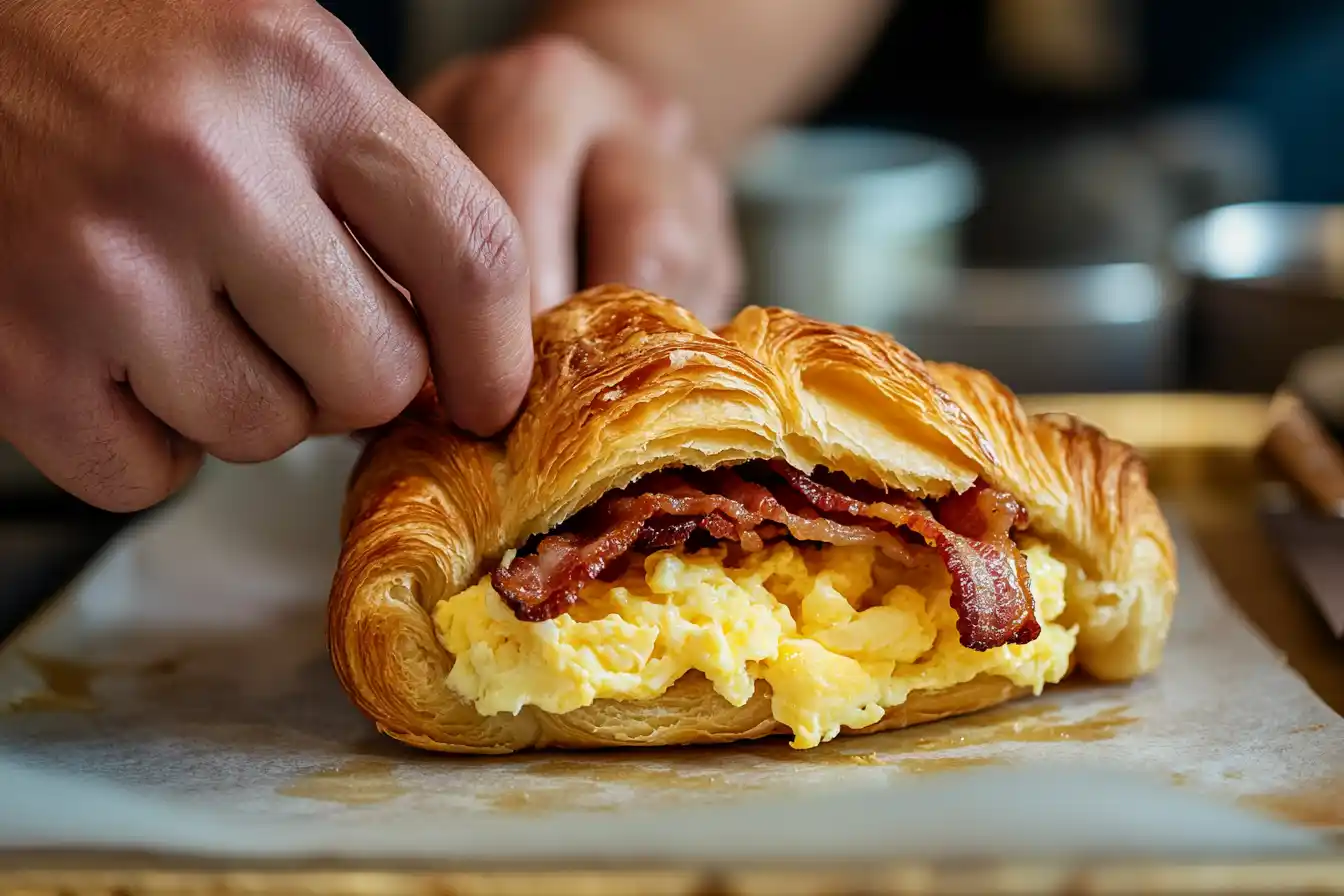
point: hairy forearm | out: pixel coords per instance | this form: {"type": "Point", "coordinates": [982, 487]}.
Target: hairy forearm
{"type": "Point", "coordinates": [738, 65]}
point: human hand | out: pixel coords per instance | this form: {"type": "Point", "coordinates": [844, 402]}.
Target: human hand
{"type": "Point", "coordinates": [603, 177]}
{"type": "Point", "coordinates": [176, 274]}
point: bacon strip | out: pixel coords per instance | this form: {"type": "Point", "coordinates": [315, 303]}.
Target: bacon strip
{"type": "Point", "coordinates": [545, 584]}
{"type": "Point", "coordinates": [759, 503]}
{"type": "Point", "coordinates": [991, 590]}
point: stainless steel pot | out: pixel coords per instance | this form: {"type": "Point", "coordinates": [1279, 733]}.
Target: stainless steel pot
{"type": "Point", "coordinates": [1266, 286]}
{"type": "Point", "coordinates": [1094, 328]}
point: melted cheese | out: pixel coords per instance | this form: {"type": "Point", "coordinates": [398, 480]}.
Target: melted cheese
{"type": "Point", "coordinates": [838, 633]}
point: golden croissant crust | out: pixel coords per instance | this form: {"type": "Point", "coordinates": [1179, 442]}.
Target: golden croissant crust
{"type": "Point", "coordinates": [626, 383]}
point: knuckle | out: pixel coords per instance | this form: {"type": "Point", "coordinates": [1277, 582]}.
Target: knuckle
{"type": "Point", "coordinates": [257, 445]}
{"type": "Point", "coordinates": [305, 42]}
{"type": "Point", "coordinates": [259, 424]}
{"type": "Point", "coordinates": [256, 414]}
{"type": "Point", "coordinates": [107, 482]}
{"type": "Point", "coordinates": [399, 371]}
{"type": "Point", "coordinates": [102, 472]}
{"type": "Point", "coordinates": [102, 477]}
{"type": "Point", "coordinates": [493, 261]}
{"type": "Point", "coordinates": [112, 266]}
{"type": "Point", "coordinates": [392, 378]}
{"type": "Point", "coordinates": [378, 401]}
{"type": "Point", "coordinates": [181, 143]}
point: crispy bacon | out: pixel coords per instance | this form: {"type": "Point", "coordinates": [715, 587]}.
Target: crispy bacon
{"type": "Point", "coordinates": [563, 563]}
{"type": "Point", "coordinates": [991, 590]}
{"type": "Point", "coordinates": [981, 512]}
{"type": "Point", "coordinates": [757, 503]}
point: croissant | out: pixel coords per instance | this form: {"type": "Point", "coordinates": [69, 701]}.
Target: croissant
{"type": "Point", "coordinates": [691, 537]}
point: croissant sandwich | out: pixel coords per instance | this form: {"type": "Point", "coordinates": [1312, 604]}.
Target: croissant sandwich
{"type": "Point", "coordinates": [787, 527]}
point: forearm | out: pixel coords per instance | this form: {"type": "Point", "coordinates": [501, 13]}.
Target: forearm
{"type": "Point", "coordinates": [738, 65]}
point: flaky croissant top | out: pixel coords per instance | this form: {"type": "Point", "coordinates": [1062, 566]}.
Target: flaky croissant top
{"type": "Point", "coordinates": [626, 383]}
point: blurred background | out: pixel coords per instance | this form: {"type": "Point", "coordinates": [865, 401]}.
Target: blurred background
{"type": "Point", "coordinates": [1079, 195]}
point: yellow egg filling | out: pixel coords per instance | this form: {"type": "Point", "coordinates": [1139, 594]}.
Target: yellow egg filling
{"type": "Point", "coordinates": [839, 633]}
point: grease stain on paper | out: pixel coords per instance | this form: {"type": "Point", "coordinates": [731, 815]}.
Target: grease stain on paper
{"type": "Point", "coordinates": [1044, 723]}
{"type": "Point", "coordinates": [659, 778]}
{"type": "Point", "coordinates": [556, 799]}
{"type": "Point", "coordinates": [67, 684]}
{"type": "Point", "coordinates": [1320, 805]}
{"type": "Point", "coordinates": [1308, 729]}
{"type": "Point", "coordinates": [575, 782]}
{"type": "Point", "coordinates": [578, 782]}
{"type": "Point", "coordinates": [576, 786]}
{"type": "Point", "coordinates": [1040, 724]}
{"type": "Point", "coordinates": [624, 770]}
{"type": "Point", "coordinates": [358, 782]}
{"type": "Point", "coordinates": [940, 764]}
{"type": "Point", "coordinates": [1194, 778]}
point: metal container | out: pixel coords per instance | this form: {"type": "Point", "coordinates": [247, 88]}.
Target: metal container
{"type": "Point", "coordinates": [1266, 286]}
{"type": "Point", "coordinates": [852, 225]}
{"type": "Point", "coordinates": [1095, 328]}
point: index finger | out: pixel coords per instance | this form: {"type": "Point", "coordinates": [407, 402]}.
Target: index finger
{"type": "Point", "coordinates": [438, 227]}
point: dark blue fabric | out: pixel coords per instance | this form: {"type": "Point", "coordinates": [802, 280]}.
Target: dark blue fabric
{"type": "Point", "coordinates": [1280, 62]}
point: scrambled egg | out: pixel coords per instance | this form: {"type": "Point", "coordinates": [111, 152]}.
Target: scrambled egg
{"type": "Point", "coordinates": [839, 634]}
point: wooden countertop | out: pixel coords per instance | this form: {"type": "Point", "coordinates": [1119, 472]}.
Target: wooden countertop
{"type": "Point", "coordinates": [1200, 452]}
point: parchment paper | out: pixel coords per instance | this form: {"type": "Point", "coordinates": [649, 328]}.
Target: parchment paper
{"type": "Point", "coordinates": [178, 698]}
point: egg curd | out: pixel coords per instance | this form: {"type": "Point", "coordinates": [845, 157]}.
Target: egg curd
{"type": "Point", "coordinates": [839, 634]}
